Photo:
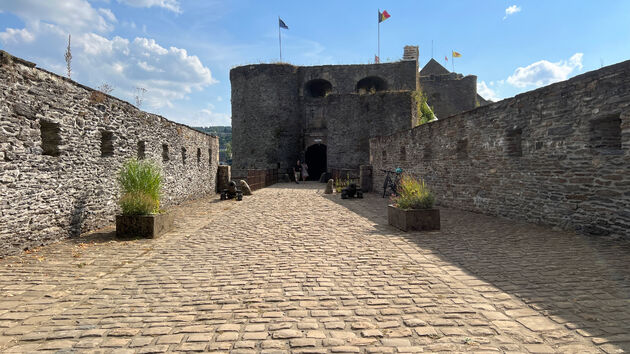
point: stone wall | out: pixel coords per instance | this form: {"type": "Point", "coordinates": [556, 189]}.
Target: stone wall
{"type": "Point", "coordinates": [559, 155]}
{"type": "Point", "coordinates": [276, 117]}
{"type": "Point", "coordinates": [61, 145]}
{"type": "Point", "coordinates": [450, 94]}
{"type": "Point", "coordinates": [265, 124]}
{"type": "Point", "coordinates": [398, 76]}
{"type": "Point", "coordinates": [364, 116]}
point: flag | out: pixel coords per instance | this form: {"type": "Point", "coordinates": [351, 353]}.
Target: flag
{"type": "Point", "coordinates": [456, 55]}
{"type": "Point", "coordinates": [282, 24]}
{"type": "Point", "coordinates": [445, 58]}
{"type": "Point", "coordinates": [376, 59]}
{"type": "Point", "coordinates": [382, 16]}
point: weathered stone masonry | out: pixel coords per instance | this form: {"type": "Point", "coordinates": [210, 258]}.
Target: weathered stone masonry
{"type": "Point", "coordinates": [326, 114]}
{"type": "Point", "coordinates": [280, 110]}
{"type": "Point", "coordinates": [559, 155]}
{"type": "Point", "coordinates": [61, 145]}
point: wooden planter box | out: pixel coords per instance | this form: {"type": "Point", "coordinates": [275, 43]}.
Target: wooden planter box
{"type": "Point", "coordinates": [413, 219]}
{"type": "Point", "coordinates": [146, 226]}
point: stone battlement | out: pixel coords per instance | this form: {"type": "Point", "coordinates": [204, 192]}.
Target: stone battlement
{"type": "Point", "coordinates": [61, 144]}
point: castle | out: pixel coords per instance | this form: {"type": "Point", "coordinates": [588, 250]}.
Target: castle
{"type": "Point", "coordinates": [325, 115]}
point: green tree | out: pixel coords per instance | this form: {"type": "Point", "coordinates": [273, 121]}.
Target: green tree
{"type": "Point", "coordinates": [424, 112]}
{"type": "Point", "coordinates": [228, 149]}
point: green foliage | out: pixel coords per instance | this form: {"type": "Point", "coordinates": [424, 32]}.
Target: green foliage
{"type": "Point", "coordinates": [228, 150]}
{"type": "Point", "coordinates": [138, 203]}
{"type": "Point", "coordinates": [424, 112]}
{"type": "Point", "coordinates": [341, 183]}
{"type": "Point", "coordinates": [141, 185]}
{"type": "Point", "coordinates": [413, 194]}
{"type": "Point", "coordinates": [223, 132]}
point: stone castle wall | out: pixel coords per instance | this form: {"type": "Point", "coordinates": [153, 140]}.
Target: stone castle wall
{"type": "Point", "coordinates": [275, 117]}
{"type": "Point", "coordinates": [450, 94]}
{"type": "Point", "coordinates": [363, 117]}
{"type": "Point", "coordinates": [61, 145]}
{"type": "Point", "coordinates": [265, 122]}
{"type": "Point", "coordinates": [559, 155]}
{"type": "Point", "coordinates": [399, 76]}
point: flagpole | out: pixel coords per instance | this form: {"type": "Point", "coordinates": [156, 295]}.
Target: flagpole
{"type": "Point", "coordinates": [431, 49]}
{"type": "Point", "coordinates": [280, 38]}
{"type": "Point", "coordinates": [379, 36]}
{"type": "Point", "coordinates": [453, 60]}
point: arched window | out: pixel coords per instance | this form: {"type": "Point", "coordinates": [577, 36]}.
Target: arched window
{"type": "Point", "coordinates": [371, 84]}
{"type": "Point", "coordinates": [318, 88]}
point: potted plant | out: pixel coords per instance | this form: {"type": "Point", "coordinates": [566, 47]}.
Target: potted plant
{"type": "Point", "coordinates": [413, 208]}
{"type": "Point", "coordinates": [141, 185]}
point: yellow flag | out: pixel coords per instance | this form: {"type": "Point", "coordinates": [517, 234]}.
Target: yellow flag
{"type": "Point", "coordinates": [456, 55]}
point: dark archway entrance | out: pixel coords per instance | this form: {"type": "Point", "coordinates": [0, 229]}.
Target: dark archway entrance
{"type": "Point", "coordinates": [315, 158]}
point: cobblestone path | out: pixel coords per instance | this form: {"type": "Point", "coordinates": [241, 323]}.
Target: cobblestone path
{"type": "Point", "coordinates": [292, 270]}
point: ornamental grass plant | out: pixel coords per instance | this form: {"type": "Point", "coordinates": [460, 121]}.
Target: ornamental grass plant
{"type": "Point", "coordinates": [413, 194]}
{"type": "Point", "coordinates": [141, 186]}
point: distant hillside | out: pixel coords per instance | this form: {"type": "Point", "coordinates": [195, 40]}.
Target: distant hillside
{"type": "Point", "coordinates": [224, 134]}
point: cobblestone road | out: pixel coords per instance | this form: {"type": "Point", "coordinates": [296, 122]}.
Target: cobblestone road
{"type": "Point", "coordinates": [292, 270]}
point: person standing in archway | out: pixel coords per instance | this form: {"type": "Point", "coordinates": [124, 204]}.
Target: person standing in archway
{"type": "Point", "coordinates": [297, 168]}
{"type": "Point", "coordinates": [304, 171]}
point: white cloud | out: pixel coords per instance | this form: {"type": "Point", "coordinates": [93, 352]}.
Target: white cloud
{"type": "Point", "coordinates": [168, 74]}
{"type": "Point", "coordinates": [511, 11]}
{"type": "Point", "coordinates": [543, 72]}
{"type": "Point", "coordinates": [73, 16]}
{"type": "Point", "coordinates": [12, 35]}
{"type": "Point", "coordinates": [171, 5]}
{"type": "Point", "coordinates": [108, 14]}
{"type": "Point", "coordinates": [208, 117]}
{"type": "Point", "coordinates": [486, 92]}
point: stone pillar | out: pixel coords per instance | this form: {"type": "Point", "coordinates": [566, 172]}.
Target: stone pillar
{"type": "Point", "coordinates": [224, 174]}
{"type": "Point", "coordinates": [365, 178]}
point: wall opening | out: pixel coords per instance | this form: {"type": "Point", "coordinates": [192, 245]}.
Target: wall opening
{"type": "Point", "coordinates": [51, 137]}
{"type": "Point", "coordinates": [427, 152]}
{"type": "Point", "coordinates": [316, 160]}
{"type": "Point", "coordinates": [462, 149]}
{"type": "Point", "coordinates": [209, 157]}
{"type": "Point", "coordinates": [514, 142]}
{"type": "Point", "coordinates": [384, 155]}
{"type": "Point", "coordinates": [107, 143]}
{"type": "Point", "coordinates": [141, 150]}
{"type": "Point", "coordinates": [605, 133]}
{"type": "Point", "coordinates": [198, 156]}
{"type": "Point", "coordinates": [183, 156]}
{"type": "Point", "coordinates": [403, 153]}
{"type": "Point", "coordinates": [371, 84]}
{"type": "Point", "coordinates": [318, 88]}
{"type": "Point", "coordinates": [165, 156]}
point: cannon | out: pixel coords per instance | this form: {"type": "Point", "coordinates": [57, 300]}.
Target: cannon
{"type": "Point", "coordinates": [352, 191]}
{"type": "Point", "coordinates": [232, 192]}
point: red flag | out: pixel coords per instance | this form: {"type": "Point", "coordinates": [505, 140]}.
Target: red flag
{"type": "Point", "coordinates": [382, 16]}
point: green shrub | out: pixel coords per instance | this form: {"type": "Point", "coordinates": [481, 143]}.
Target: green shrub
{"type": "Point", "coordinates": [138, 203]}
{"type": "Point", "coordinates": [413, 194]}
{"type": "Point", "coordinates": [141, 185]}
{"type": "Point", "coordinates": [424, 111]}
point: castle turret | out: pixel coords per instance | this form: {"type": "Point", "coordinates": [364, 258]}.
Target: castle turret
{"type": "Point", "coordinates": [265, 116]}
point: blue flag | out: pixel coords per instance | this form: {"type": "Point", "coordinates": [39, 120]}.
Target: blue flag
{"type": "Point", "coordinates": [282, 24]}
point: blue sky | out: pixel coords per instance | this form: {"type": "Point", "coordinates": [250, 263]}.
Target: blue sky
{"type": "Point", "coordinates": [181, 51]}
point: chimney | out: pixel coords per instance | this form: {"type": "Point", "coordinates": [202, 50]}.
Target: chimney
{"type": "Point", "coordinates": [411, 52]}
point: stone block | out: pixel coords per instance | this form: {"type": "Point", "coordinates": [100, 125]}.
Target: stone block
{"type": "Point", "coordinates": [146, 226]}
{"type": "Point", "coordinates": [413, 219]}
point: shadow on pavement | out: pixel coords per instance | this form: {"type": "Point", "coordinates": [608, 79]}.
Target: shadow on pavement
{"type": "Point", "coordinates": [578, 281]}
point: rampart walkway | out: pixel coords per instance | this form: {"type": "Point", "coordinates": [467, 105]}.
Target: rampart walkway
{"type": "Point", "coordinates": [290, 269]}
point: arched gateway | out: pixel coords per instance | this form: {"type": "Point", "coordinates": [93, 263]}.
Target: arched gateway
{"type": "Point", "coordinates": [315, 158]}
